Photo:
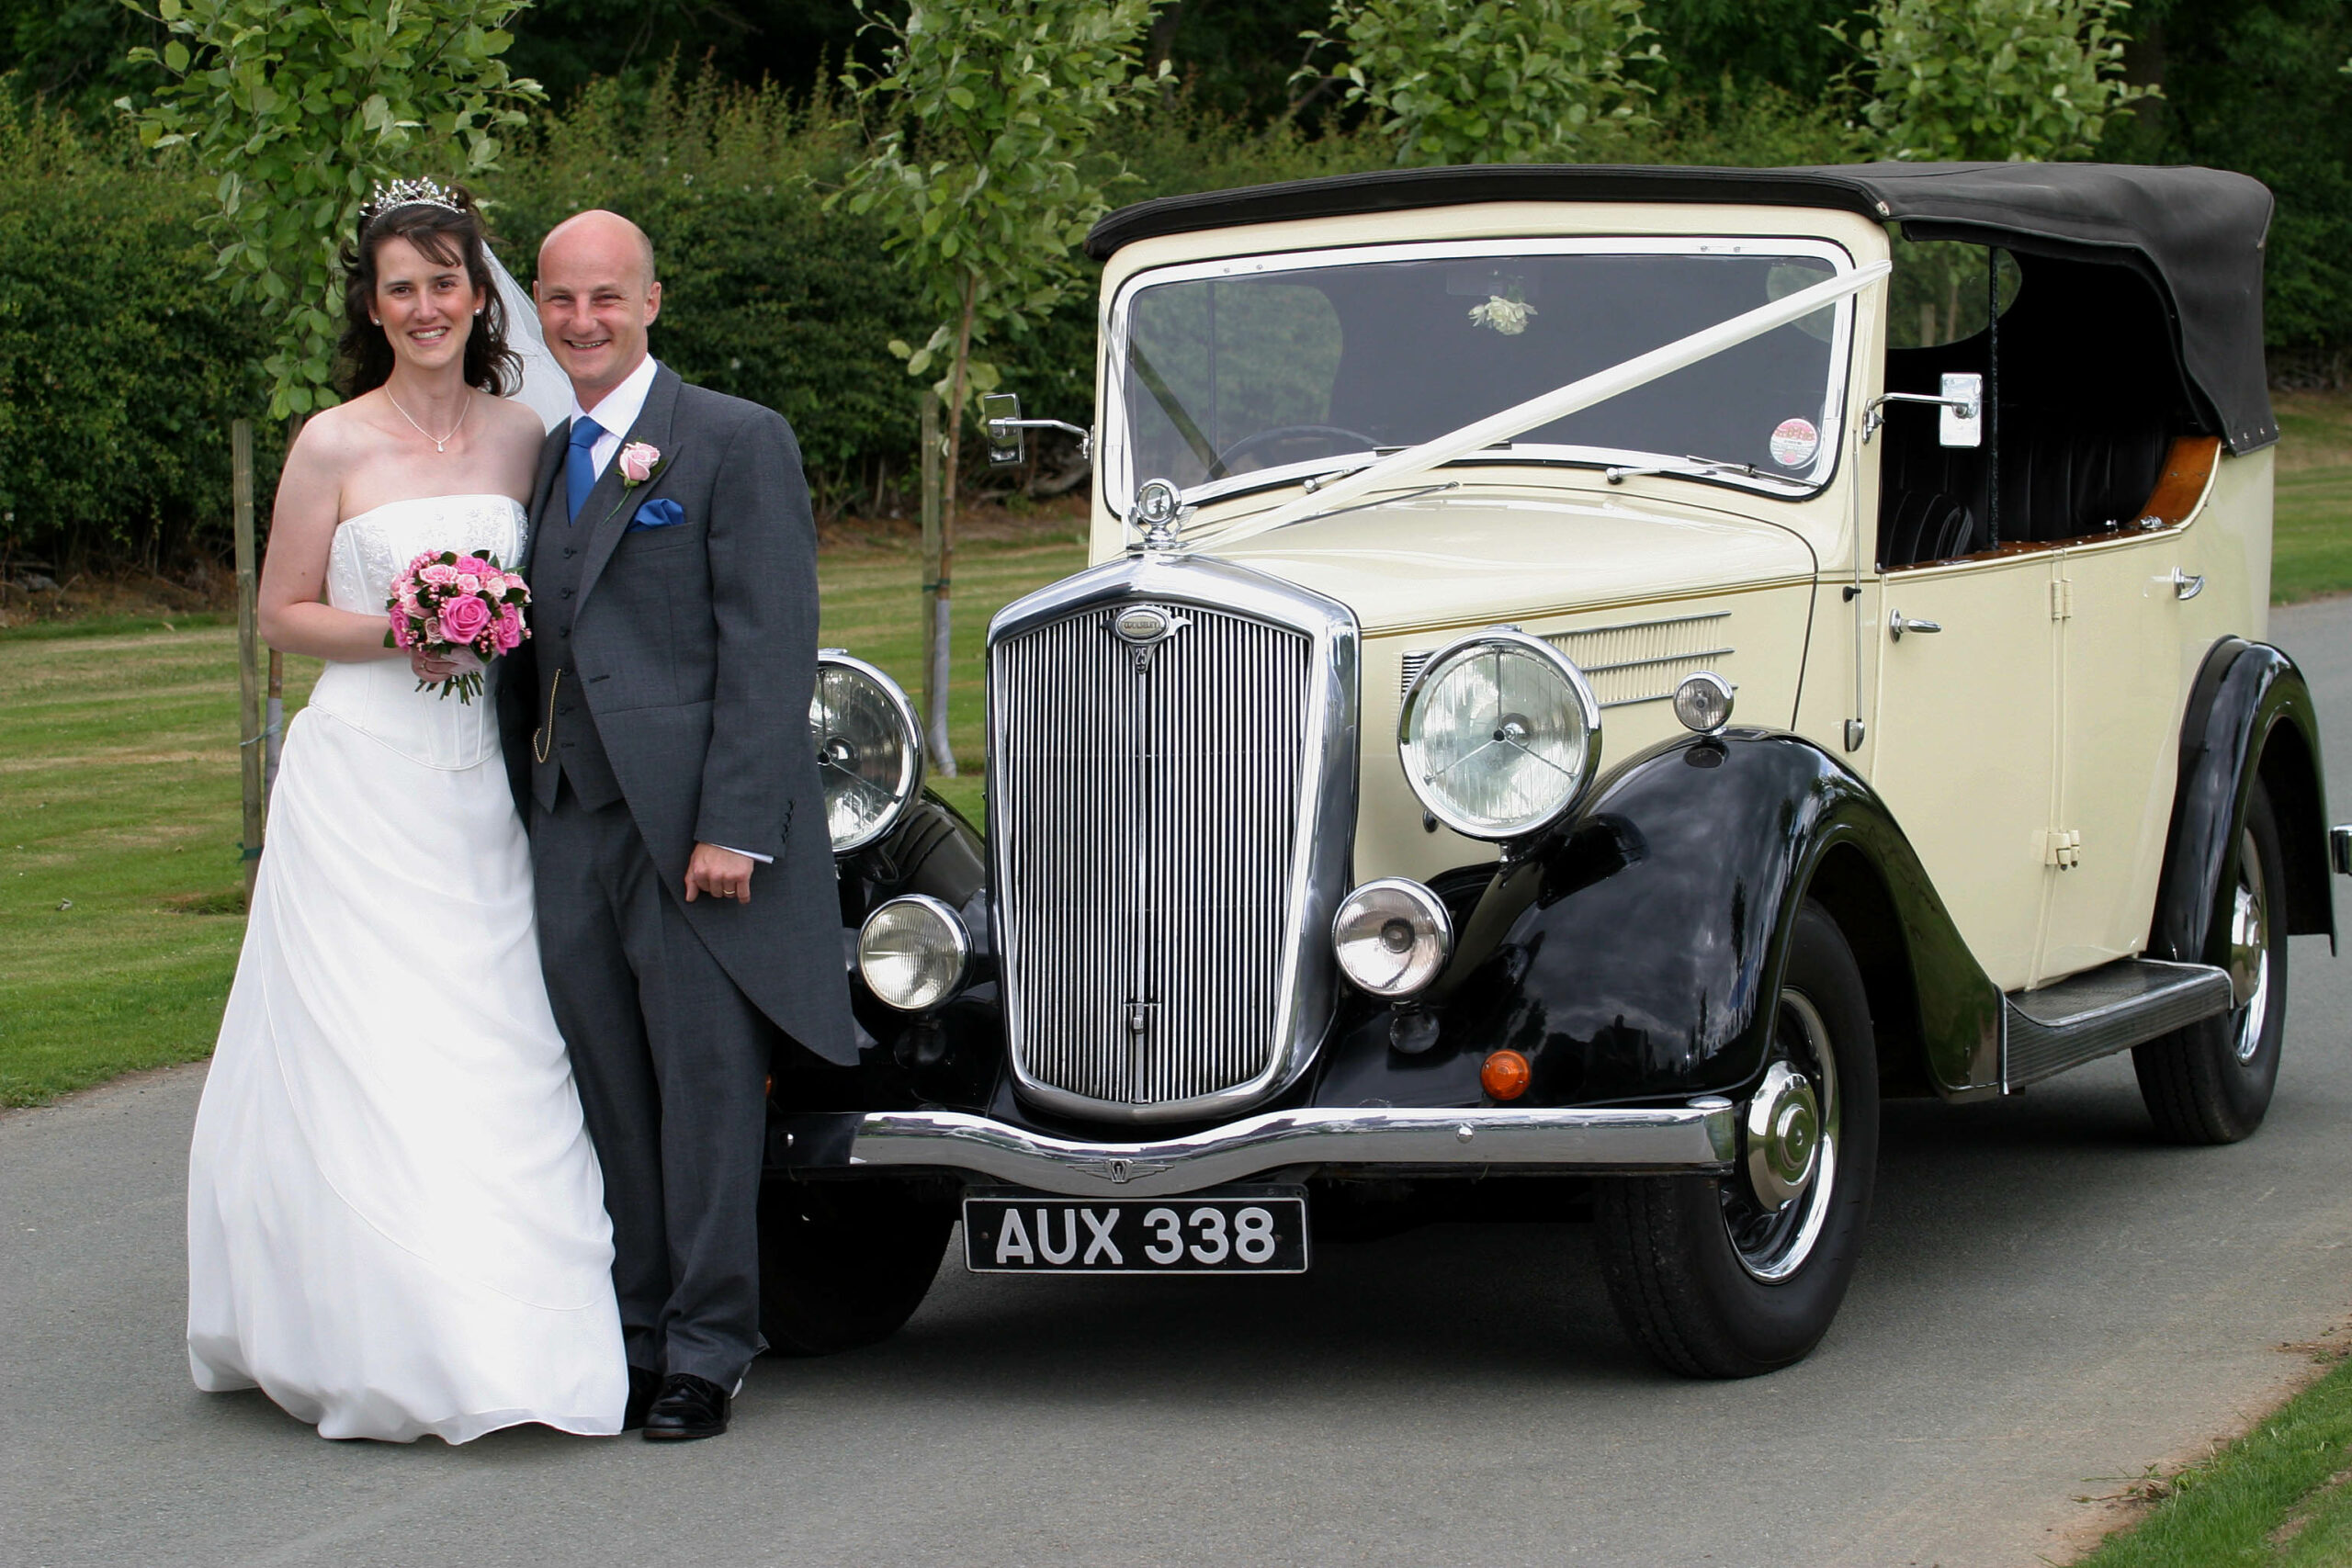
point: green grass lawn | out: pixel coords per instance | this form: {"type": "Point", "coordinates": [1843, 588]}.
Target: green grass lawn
{"type": "Point", "coordinates": [121, 883]}
{"type": "Point", "coordinates": [2278, 1498]}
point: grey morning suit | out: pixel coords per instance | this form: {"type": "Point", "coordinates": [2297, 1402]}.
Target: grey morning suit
{"type": "Point", "coordinates": [686, 654]}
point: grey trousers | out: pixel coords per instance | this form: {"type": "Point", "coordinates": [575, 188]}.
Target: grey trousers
{"type": "Point", "coordinates": [672, 1061]}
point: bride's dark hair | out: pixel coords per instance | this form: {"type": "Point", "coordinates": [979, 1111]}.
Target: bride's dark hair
{"type": "Point", "coordinates": [443, 237]}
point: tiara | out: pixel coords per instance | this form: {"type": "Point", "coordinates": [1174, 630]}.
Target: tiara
{"type": "Point", "coordinates": [408, 192]}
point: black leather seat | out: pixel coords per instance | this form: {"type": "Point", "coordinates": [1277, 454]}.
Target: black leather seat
{"type": "Point", "coordinates": [1925, 525]}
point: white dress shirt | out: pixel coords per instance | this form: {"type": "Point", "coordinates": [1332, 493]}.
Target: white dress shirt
{"type": "Point", "coordinates": [616, 412]}
{"type": "Point", "coordinates": [614, 415]}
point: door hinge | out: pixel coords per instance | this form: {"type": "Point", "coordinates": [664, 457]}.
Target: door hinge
{"type": "Point", "coordinates": [2060, 847]}
{"type": "Point", "coordinates": [2061, 599]}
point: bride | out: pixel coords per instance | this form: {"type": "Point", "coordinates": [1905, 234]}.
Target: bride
{"type": "Point", "coordinates": [396, 1222]}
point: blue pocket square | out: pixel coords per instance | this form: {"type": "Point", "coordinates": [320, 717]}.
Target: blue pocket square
{"type": "Point", "coordinates": [659, 513]}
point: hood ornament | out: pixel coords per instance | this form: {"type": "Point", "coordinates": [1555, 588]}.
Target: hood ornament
{"type": "Point", "coordinates": [1159, 508]}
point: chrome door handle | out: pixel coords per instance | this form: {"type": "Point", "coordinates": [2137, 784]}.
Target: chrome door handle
{"type": "Point", "coordinates": [2185, 586]}
{"type": "Point", "coordinates": [1898, 622]}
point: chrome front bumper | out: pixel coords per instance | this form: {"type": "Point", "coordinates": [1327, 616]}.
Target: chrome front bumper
{"type": "Point", "coordinates": [1698, 1138]}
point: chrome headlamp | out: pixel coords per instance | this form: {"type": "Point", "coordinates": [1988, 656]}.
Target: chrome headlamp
{"type": "Point", "coordinates": [869, 748]}
{"type": "Point", "coordinates": [1500, 734]}
{"type": "Point", "coordinates": [914, 953]}
{"type": "Point", "coordinates": [1392, 937]}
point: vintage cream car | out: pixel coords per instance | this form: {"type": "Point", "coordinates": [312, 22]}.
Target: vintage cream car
{"type": "Point", "coordinates": [1591, 679]}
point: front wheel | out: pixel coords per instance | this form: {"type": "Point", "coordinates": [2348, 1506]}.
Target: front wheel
{"type": "Point", "coordinates": [844, 1264]}
{"type": "Point", "coordinates": [2210, 1082]}
{"type": "Point", "coordinates": [1728, 1277]}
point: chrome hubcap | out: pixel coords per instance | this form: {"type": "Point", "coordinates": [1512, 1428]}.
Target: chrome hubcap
{"type": "Point", "coordinates": [2250, 950]}
{"type": "Point", "coordinates": [1775, 1216]}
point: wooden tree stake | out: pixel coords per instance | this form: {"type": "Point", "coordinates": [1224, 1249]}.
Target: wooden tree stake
{"type": "Point", "coordinates": [249, 730]}
{"type": "Point", "coordinates": [937, 629]}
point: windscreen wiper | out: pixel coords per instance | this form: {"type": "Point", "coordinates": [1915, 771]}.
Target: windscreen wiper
{"type": "Point", "coordinates": [1620, 474]}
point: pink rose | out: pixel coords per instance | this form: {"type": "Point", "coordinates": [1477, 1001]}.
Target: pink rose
{"type": "Point", "coordinates": [639, 461]}
{"type": "Point", "coordinates": [438, 576]}
{"type": "Point", "coordinates": [472, 565]}
{"type": "Point", "coordinates": [401, 637]}
{"type": "Point", "coordinates": [467, 583]}
{"type": "Point", "coordinates": [509, 630]}
{"type": "Point", "coordinates": [462, 620]}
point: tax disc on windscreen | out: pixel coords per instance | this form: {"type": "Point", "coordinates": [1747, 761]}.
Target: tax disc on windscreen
{"type": "Point", "coordinates": [1794, 442]}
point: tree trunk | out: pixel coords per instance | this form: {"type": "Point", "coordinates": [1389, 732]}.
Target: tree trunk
{"type": "Point", "coordinates": [945, 616]}
{"type": "Point", "coordinates": [249, 732]}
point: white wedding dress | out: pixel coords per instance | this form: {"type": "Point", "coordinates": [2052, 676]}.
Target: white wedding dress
{"type": "Point", "coordinates": [396, 1224]}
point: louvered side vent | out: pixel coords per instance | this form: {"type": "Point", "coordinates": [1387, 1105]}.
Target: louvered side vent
{"type": "Point", "coordinates": [1635, 662]}
{"type": "Point", "coordinates": [1145, 818]}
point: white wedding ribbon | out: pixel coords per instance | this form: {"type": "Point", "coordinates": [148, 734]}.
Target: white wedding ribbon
{"type": "Point", "coordinates": [1599, 386]}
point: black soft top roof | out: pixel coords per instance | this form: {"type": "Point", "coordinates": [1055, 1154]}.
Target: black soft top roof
{"type": "Point", "coordinates": [2197, 234]}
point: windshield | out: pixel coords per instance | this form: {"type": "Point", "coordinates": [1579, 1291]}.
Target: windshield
{"type": "Point", "coordinates": [1235, 374]}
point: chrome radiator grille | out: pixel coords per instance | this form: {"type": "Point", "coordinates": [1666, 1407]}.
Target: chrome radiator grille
{"type": "Point", "coordinates": [1145, 804]}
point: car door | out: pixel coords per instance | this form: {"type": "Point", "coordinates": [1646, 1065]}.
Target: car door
{"type": "Point", "coordinates": [2119, 613]}
{"type": "Point", "coordinates": [1964, 742]}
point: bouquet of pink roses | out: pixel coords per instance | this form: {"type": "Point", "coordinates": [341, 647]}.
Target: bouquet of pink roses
{"type": "Point", "coordinates": [463, 607]}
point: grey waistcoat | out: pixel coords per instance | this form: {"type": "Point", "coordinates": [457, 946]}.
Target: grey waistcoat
{"type": "Point", "coordinates": [575, 750]}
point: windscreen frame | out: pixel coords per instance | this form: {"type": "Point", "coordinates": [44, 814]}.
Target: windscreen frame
{"type": "Point", "coordinates": [1120, 479]}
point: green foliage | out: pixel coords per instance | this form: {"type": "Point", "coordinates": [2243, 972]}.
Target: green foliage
{"type": "Point", "coordinates": [765, 294]}
{"type": "Point", "coordinates": [982, 169]}
{"type": "Point", "coordinates": [2255, 85]}
{"type": "Point", "coordinates": [1495, 81]}
{"type": "Point", "coordinates": [294, 112]}
{"type": "Point", "coordinates": [118, 366]}
{"type": "Point", "coordinates": [1998, 81]}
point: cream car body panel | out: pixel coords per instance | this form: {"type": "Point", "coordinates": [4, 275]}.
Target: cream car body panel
{"type": "Point", "coordinates": [1641, 582]}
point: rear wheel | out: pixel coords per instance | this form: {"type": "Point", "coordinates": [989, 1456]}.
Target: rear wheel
{"type": "Point", "coordinates": [844, 1263]}
{"type": "Point", "coordinates": [1732, 1275]}
{"type": "Point", "coordinates": [2210, 1083]}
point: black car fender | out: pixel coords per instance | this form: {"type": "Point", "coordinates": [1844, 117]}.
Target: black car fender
{"type": "Point", "coordinates": [1632, 953]}
{"type": "Point", "coordinates": [2249, 717]}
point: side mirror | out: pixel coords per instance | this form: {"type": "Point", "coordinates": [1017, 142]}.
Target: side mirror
{"type": "Point", "coordinates": [1962, 416]}
{"type": "Point", "coordinates": [1000, 417]}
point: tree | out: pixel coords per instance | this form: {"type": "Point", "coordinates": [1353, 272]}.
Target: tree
{"type": "Point", "coordinates": [294, 112]}
{"type": "Point", "coordinates": [1495, 81]}
{"type": "Point", "coordinates": [982, 173]}
{"type": "Point", "coordinates": [1997, 80]}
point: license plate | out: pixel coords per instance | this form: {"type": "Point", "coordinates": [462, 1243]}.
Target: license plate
{"type": "Point", "coordinates": [1233, 1231]}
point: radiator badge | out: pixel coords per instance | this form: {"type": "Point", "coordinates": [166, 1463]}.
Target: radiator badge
{"type": "Point", "coordinates": [1145, 626]}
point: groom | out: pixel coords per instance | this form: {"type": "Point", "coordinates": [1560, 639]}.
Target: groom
{"type": "Point", "coordinates": [657, 734]}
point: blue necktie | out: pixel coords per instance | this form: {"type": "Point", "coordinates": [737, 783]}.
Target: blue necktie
{"type": "Point", "coordinates": [580, 464]}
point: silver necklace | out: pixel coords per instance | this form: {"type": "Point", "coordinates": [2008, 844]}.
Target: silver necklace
{"type": "Point", "coordinates": [440, 443]}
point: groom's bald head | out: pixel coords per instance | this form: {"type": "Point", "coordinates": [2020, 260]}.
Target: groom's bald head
{"type": "Point", "coordinates": [597, 295]}
{"type": "Point", "coordinates": [602, 235]}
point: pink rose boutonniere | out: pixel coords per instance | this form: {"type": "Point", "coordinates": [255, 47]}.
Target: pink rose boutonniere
{"type": "Point", "coordinates": [639, 462]}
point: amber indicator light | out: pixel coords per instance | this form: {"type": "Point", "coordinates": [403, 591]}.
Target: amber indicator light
{"type": "Point", "coordinates": [1506, 1075]}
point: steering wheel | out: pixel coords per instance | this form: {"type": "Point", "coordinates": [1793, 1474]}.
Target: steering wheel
{"type": "Point", "coordinates": [1227, 461]}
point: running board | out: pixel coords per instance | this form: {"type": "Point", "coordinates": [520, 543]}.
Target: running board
{"type": "Point", "coordinates": [2102, 1011]}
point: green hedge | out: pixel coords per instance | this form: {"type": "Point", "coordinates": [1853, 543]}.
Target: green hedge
{"type": "Point", "coordinates": [119, 366]}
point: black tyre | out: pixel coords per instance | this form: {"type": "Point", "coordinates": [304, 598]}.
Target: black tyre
{"type": "Point", "coordinates": [1730, 1276]}
{"type": "Point", "coordinates": [2210, 1083]}
{"type": "Point", "coordinates": [844, 1263]}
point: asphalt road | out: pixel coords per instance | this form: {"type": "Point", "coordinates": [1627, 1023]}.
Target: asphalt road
{"type": "Point", "coordinates": [2050, 1302]}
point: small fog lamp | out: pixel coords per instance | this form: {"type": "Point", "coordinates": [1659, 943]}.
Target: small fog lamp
{"type": "Point", "coordinates": [1392, 937]}
{"type": "Point", "coordinates": [1703, 702]}
{"type": "Point", "coordinates": [914, 953]}
{"type": "Point", "coordinates": [1506, 1075]}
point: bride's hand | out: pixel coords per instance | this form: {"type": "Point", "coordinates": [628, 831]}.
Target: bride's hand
{"type": "Point", "coordinates": [429, 668]}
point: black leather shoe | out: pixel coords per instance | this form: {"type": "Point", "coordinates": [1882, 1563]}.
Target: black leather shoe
{"type": "Point", "coordinates": [644, 1384]}
{"type": "Point", "coordinates": [688, 1408]}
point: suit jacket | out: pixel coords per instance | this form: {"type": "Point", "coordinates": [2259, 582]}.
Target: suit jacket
{"type": "Point", "coordinates": [694, 647]}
